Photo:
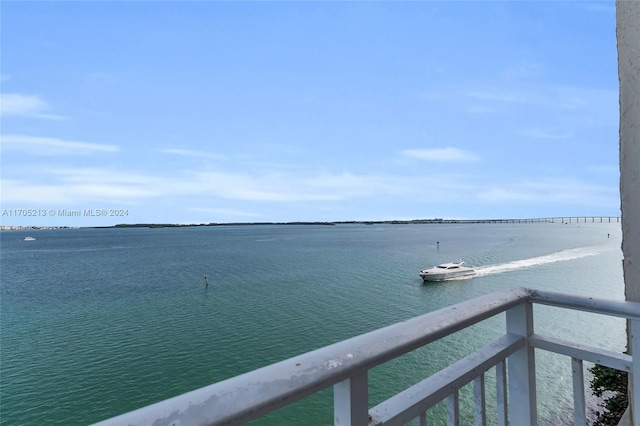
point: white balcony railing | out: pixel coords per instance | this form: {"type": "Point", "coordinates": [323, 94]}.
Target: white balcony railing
{"type": "Point", "coordinates": [345, 365]}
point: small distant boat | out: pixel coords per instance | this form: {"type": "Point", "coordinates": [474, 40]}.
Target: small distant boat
{"type": "Point", "coordinates": [29, 239]}
{"type": "Point", "coordinates": [445, 271]}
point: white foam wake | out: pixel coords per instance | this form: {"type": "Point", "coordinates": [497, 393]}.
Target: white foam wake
{"type": "Point", "coordinates": [560, 256]}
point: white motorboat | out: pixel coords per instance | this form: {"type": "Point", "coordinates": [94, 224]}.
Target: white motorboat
{"type": "Point", "coordinates": [29, 239]}
{"type": "Point", "coordinates": [446, 271]}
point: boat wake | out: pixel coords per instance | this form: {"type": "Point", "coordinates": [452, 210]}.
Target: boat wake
{"type": "Point", "coordinates": [560, 256]}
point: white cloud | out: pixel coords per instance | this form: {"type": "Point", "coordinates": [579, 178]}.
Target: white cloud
{"type": "Point", "coordinates": [553, 192]}
{"type": "Point", "coordinates": [197, 190]}
{"type": "Point", "coordinates": [598, 7]}
{"type": "Point", "coordinates": [83, 185]}
{"type": "Point", "coordinates": [86, 184]}
{"type": "Point", "coordinates": [577, 108]}
{"type": "Point", "coordinates": [224, 211]}
{"type": "Point", "coordinates": [35, 145]}
{"type": "Point", "coordinates": [552, 97]}
{"type": "Point", "coordinates": [258, 187]}
{"type": "Point", "coordinates": [73, 185]}
{"type": "Point", "coordinates": [449, 154]}
{"type": "Point", "coordinates": [504, 95]}
{"type": "Point", "coordinates": [506, 195]}
{"type": "Point", "coordinates": [544, 134]}
{"type": "Point", "coordinates": [524, 71]}
{"type": "Point", "coordinates": [480, 109]}
{"type": "Point", "coordinates": [19, 192]}
{"type": "Point", "coordinates": [605, 169]}
{"type": "Point", "coordinates": [193, 153]}
{"type": "Point", "coordinates": [110, 184]}
{"type": "Point", "coordinates": [15, 104]}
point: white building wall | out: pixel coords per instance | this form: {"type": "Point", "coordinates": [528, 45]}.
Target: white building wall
{"type": "Point", "coordinates": [628, 36]}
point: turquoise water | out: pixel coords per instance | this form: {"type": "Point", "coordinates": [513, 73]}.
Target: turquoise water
{"type": "Point", "coordinates": [98, 322]}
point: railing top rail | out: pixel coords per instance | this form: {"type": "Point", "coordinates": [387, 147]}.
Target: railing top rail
{"type": "Point", "coordinates": [618, 308]}
{"type": "Point", "coordinates": [246, 397]}
{"type": "Point", "coordinates": [250, 395]}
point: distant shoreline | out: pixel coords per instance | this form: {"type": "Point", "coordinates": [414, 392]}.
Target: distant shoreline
{"type": "Point", "coordinates": [575, 219]}
{"type": "Point", "coordinates": [559, 219]}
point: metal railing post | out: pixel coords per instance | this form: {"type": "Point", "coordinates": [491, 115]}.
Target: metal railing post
{"type": "Point", "coordinates": [453, 409]}
{"type": "Point", "coordinates": [579, 407]}
{"type": "Point", "coordinates": [480, 417]}
{"type": "Point", "coordinates": [351, 401]}
{"type": "Point", "coordinates": [420, 421]}
{"type": "Point", "coordinates": [521, 368]}
{"type": "Point", "coordinates": [501, 393]}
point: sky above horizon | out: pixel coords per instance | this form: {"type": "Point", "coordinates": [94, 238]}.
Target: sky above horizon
{"type": "Point", "coordinates": [200, 112]}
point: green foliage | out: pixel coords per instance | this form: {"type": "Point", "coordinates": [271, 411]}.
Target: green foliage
{"type": "Point", "coordinates": [614, 383]}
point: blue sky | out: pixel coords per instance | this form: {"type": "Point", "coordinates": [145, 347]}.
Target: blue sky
{"type": "Point", "coordinates": [198, 112]}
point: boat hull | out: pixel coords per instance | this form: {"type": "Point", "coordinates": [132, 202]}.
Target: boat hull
{"type": "Point", "coordinates": [447, 271]}
{"type": "Point", "coordinates": [442, 276]}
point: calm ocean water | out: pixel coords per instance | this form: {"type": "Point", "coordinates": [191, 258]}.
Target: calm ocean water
{"type": "Point", "coordinates": [98, 322]}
